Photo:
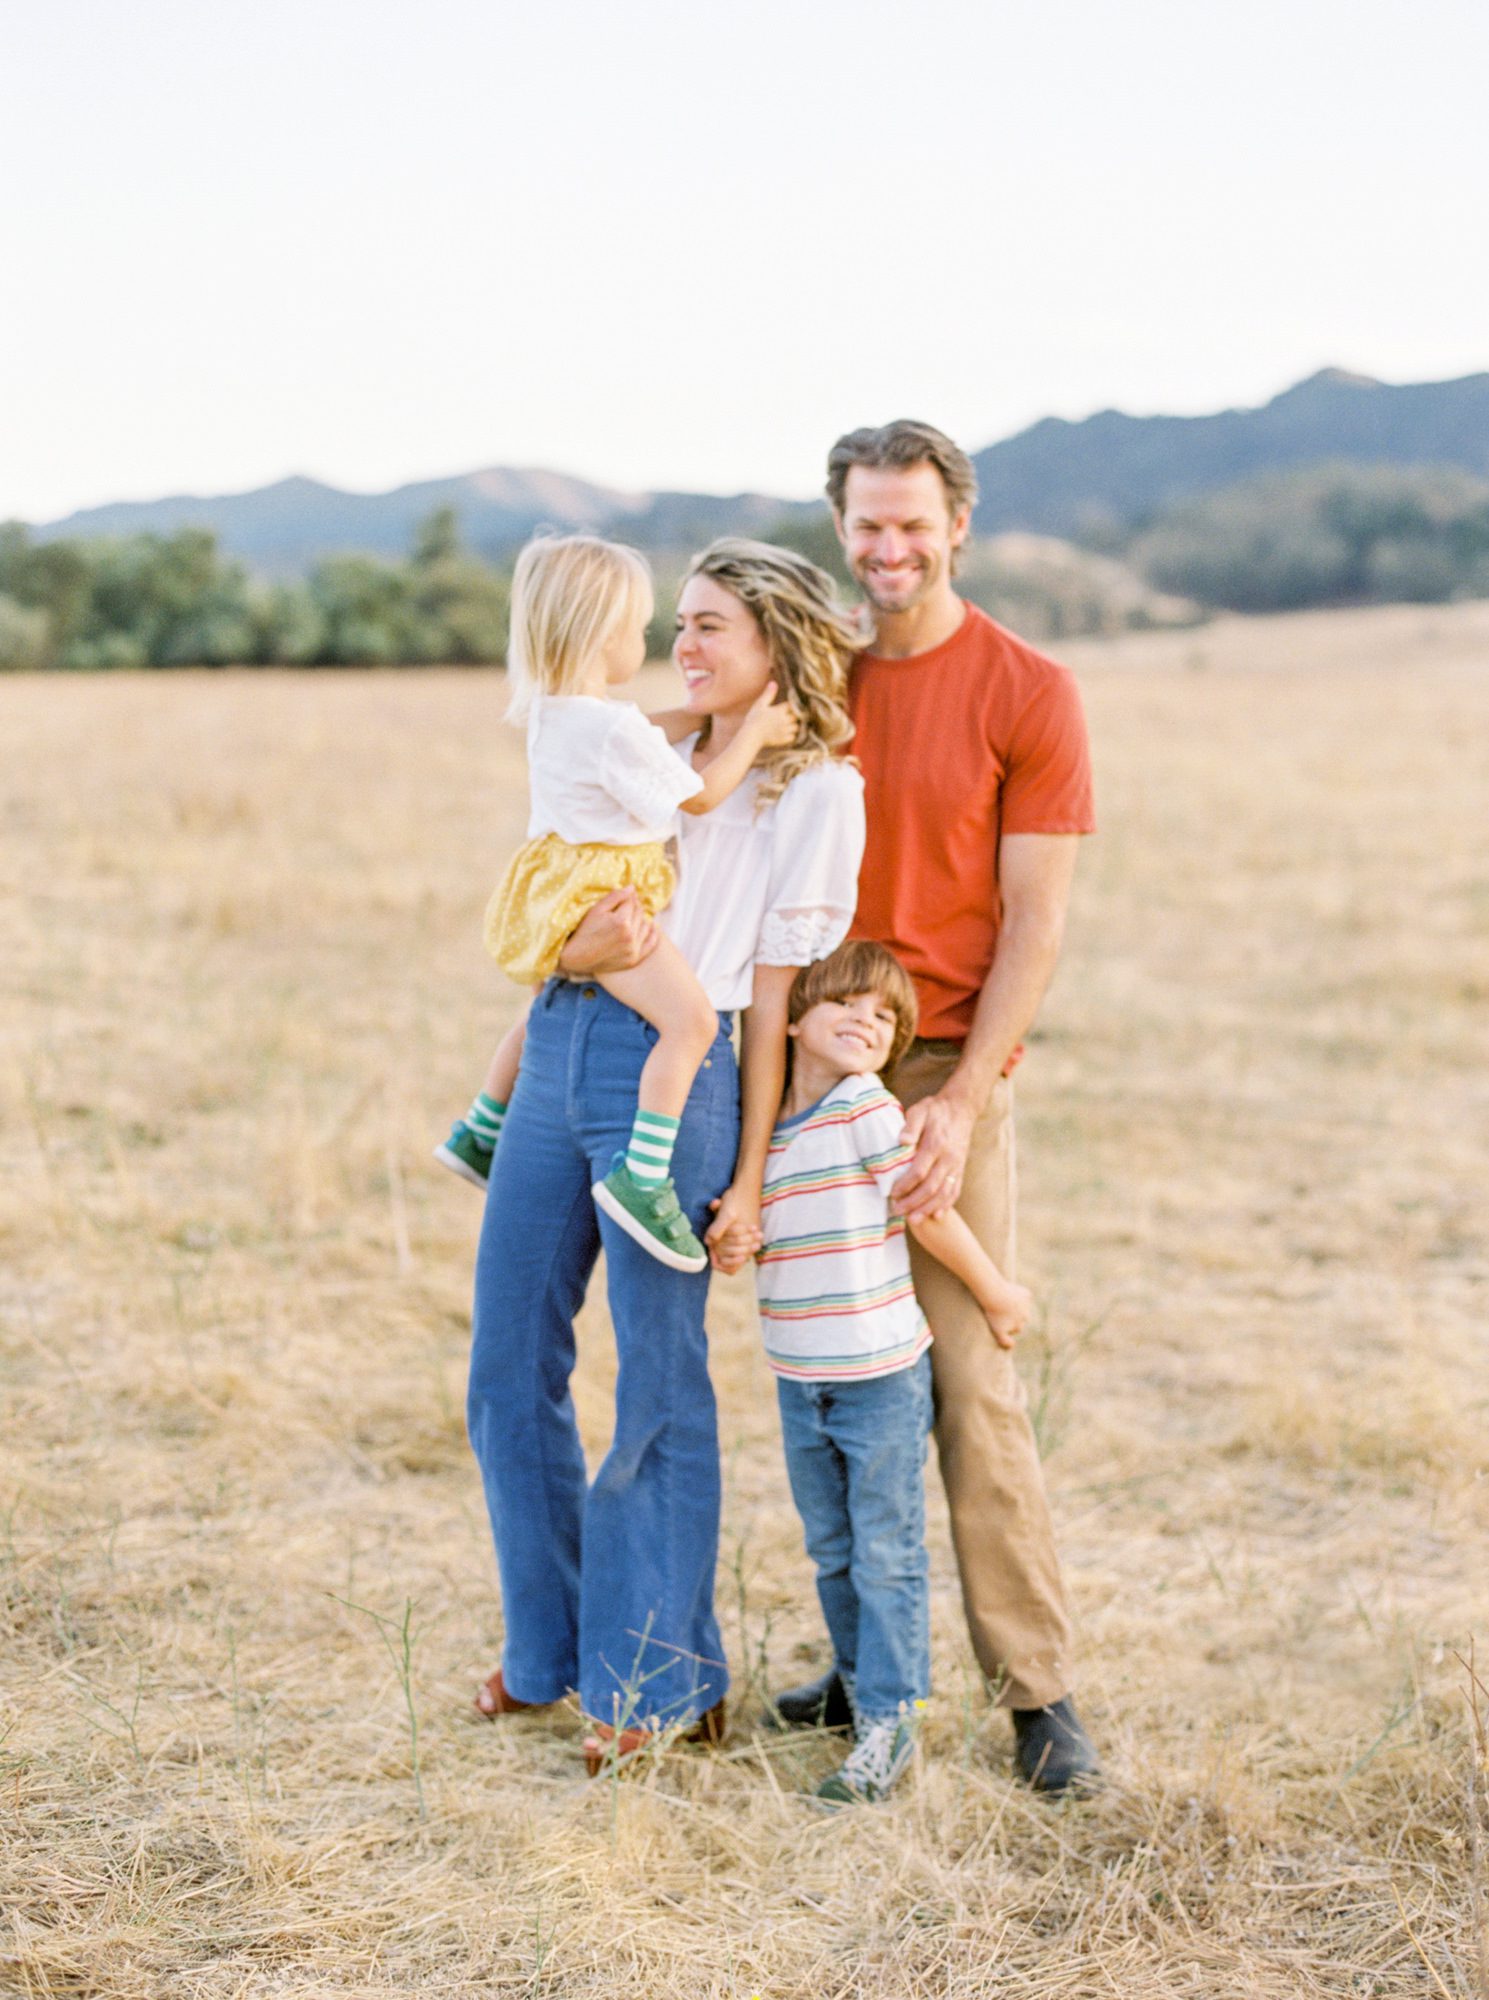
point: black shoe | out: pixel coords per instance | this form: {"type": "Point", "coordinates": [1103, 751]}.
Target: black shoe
{"type": "Point", "coordinates": [1054, 1753]}
{"type": "Point", "coordinates": [820, 1704]}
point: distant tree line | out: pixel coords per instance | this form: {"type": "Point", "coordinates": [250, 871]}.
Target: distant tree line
{"type": "Point", "coordinates": [173, 600]}
{"type": "Point", "coordinates": [1335, 535]}
{"type": "Point", "coordinates": [1331, 536]}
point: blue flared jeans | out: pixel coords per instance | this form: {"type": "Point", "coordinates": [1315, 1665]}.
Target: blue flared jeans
{"type": "Point", "coordinates": [607, 1585]}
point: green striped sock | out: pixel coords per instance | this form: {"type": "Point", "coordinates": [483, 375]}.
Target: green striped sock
{"type": "Point", "coordinates": [649, 1155]}
{"type": "Point", "coordinates": [485, 1118]}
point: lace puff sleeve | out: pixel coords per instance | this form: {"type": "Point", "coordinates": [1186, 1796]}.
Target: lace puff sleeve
{"type": "Point", "coordinates": [816, 848]}
{"type": "Point", "coordinates": [641, 771]}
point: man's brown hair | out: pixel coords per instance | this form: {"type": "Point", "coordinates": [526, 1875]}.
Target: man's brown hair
{"type": "Point", "coordinates": [899, 446]}
{"type": "Point", "coordinates": [858, 966]}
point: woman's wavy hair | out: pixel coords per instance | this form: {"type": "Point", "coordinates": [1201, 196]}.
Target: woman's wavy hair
{"type": "Point", "coordinates": [811, 638]}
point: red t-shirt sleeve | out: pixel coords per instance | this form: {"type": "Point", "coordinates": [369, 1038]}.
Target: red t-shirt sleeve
{"type": "Point", "coordinates": [1047, 778]}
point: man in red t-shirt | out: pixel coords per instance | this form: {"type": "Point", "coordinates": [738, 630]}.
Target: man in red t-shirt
{"type": "Point", "coordinates": [978, 785]}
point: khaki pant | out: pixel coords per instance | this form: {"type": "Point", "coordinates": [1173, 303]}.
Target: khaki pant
{"type": "Point", "coordinates": [1000, 1517]}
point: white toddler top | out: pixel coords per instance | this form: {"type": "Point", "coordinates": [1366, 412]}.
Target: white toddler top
{"type": "Point", "coordinates": [777, 887]}
{"type": "Point", "coordinates": [833, 1280]}
{"type": "Point", "coordinates": [599, 771]}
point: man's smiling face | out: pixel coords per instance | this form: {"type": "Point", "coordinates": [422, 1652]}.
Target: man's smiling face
{"type": "Point", "coordinates": [898, 534]}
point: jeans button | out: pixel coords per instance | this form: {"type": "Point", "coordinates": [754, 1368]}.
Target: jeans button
{"type": "Point", "coordinates": [708, 1062]}
{"type": "Point", "coordinates": [589, 993]}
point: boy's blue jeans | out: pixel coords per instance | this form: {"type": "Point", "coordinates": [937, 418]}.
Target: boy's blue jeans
{"type": "Point", "coordinates": [606, 1587]}
{"type": "Point", "coordinates": [855, 1452]}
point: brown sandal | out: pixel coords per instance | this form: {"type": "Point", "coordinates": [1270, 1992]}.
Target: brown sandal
{"type": "Point", "coordinates": [502, 1703]}
{"type": "Point", "coordinates": [606, 1746]}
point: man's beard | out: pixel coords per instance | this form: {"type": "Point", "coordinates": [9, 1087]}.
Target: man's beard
{"type": "Point", "coordinates": [924, 584]}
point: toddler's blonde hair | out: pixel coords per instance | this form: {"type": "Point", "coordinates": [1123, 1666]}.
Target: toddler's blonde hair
{"type": "Point", "coordinates": [570, 596]}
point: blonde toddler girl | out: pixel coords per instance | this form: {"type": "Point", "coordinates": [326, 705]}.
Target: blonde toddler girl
{"type": "Point", "coordinates": [606, 790]}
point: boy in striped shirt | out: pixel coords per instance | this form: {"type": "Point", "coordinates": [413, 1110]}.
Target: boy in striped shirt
{"type": "Point", "coordinates": [847, 1340]}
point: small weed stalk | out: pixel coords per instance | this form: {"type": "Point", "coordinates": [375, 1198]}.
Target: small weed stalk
{"type": "Point", "coordinates": [627, 1707]}
{"type": "Point", "coordinates": [62, 1613]}
{"type": "Point", "coordinates": [1405, 1705]}
{"type": "Point", "coordinates": [742, 1601]}
{"type": "Point", "coordinates": [1476, 1694]}
{"type": "Point", "coordinates": [242, 1764]}
{"type": "Point", "coordinates": [542, 1945]}
{"type": "Point", "coordinates": [1054, 1370]}
{"type": "Point", "coordinates": [754, 1659]}
{"type": "Point", "coordinates": [398, 1637]}
{"type": "Point", "coordinates": [127, 1720]}
{"type": "Point", "coordinates": [628, 1712]}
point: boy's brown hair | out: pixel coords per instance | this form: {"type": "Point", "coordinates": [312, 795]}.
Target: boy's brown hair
{"type": "Point", "coordinates": [857, 966]}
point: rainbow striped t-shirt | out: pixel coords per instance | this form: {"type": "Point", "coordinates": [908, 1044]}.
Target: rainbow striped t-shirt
{"type": "Point", "coordinates": [833, 1278]}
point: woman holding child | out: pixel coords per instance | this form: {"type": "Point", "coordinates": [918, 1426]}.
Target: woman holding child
{"type": "Point", "coordinates": [607, 1586]}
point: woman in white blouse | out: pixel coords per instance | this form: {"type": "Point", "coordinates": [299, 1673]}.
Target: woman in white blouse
{"type": "Point", "coordinates": [607, 1587]}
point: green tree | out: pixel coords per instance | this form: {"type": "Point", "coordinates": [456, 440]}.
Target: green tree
{"type": "Point", "coordinates": [51, 578]}
{"type": "Point", "coordinates": [288, 627]}
{"type": "Point", "coordinates": [666, 582]}
{"type": "Point", "coordinates": [365, 612]}
{"type": "Point", "coordinates": [162, 601]}
{"type": "Point", "coordinates": [1343, 534]}
{"type": "Point", "coordinates": [437, 538]}
{"type": "Point", "coordinates": [25, 636]}
{"type": "Point", "coordinates": [459, 606]}
{"type": "Point", "coordinates": [462, 607]}
{"type": "Point", "coordinates": [812, 535]}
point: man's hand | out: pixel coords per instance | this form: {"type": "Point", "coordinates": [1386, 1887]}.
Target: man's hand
{"type": "Point", "coordinates": [734, 1235]}
{"type": "Point", "coordinates": [940, 1130]}
{"type": "Point", "coordinates": [612, 936]}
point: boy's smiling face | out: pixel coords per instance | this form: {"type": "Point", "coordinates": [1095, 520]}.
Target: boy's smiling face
{"type": "Point", "coordinates": [847, 1037]}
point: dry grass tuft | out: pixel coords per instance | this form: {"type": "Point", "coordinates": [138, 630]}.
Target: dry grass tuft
{"type": "Point", "coordinates": [240, 933]}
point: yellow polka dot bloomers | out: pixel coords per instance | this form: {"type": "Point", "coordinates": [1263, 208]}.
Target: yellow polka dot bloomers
{"type": "Point", "coordinates": [606, 789]}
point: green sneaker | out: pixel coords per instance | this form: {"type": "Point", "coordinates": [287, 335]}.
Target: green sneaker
{"type": "Point", "coordinates": [651, 1217]}
{"type": "Point", "coordinates": [464, 1154]}
{"type": "Point", "coordinates": [872, 1767]}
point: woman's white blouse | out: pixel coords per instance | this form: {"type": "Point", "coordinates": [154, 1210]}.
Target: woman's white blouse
{"type": "Point", "coordinates": [777, 887]}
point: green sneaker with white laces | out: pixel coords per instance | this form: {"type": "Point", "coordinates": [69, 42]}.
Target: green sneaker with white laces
{"type": "Point", "coordinates": [464, 1153]}
{"type": "Point", "coordinates": [872, 1767]}
{"type": "Point", "coordinates": [650, 1216]}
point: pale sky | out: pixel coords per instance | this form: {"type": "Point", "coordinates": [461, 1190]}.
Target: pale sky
{"type": "Point", "coordinates": [683, 245]}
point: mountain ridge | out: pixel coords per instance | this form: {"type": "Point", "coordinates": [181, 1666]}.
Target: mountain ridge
{"type": "Point", "coordinates": [1058, 476]}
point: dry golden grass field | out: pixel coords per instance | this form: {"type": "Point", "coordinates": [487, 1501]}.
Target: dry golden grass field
{"type": "Point", "coordinates": [244, 994]}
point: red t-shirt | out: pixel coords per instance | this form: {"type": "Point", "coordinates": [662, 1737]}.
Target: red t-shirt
{"type": "Point", "coordinates": [979, 737]}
